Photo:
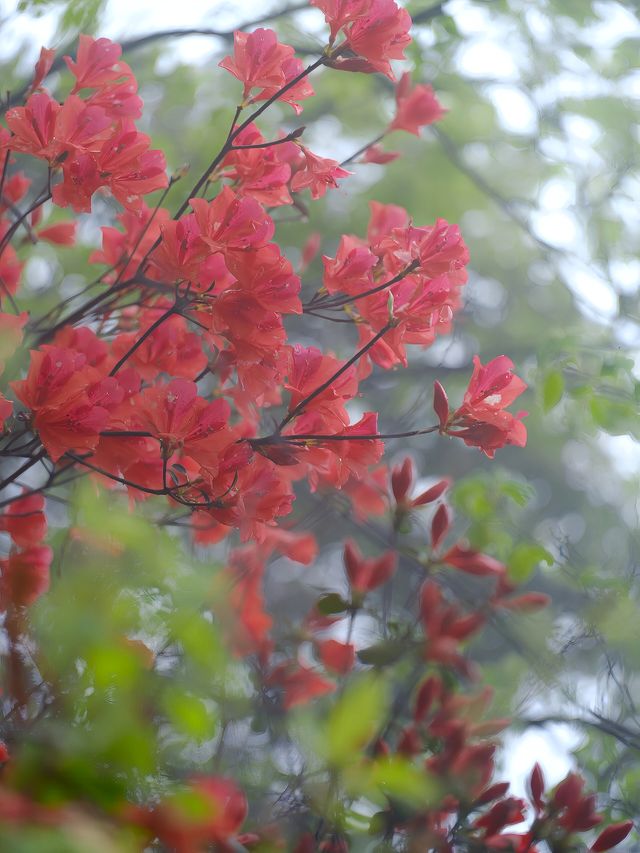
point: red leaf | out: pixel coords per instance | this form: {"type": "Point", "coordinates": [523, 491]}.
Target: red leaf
{"type": "Point", "coordinates": [536, 787]}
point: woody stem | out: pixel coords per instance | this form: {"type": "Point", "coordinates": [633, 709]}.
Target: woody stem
{"type": "Point", "coordinates": [236, 131]}
{"type": "Point", "coordinates": [354, 358]}
{"type": "Point", "coordinates": [294, 439]}
{"type": "Point", "coordinates": [24, 467]}
{"type": "Point", "coordinates": [138, 343]}
{"type": "Point", "coordinates": [347, 300]}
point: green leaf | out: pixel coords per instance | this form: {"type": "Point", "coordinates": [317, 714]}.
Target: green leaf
{"type": "Point", "coordinates": [399, 779]}
{"type": "Point", "coordinates": [384, 653]}
{"type": "Point", "coordinates": [519, 493]}
{"type": "Point", "coordinates": [189, 715]}
{"type": "Point", "coordinates": [355, 719]}
{"type": "Point", "coordinates": [331, 603]}
{"type": "Point", "coordinates": [552, 390]}
{"type": "Point", "coordinates": [525, 558]}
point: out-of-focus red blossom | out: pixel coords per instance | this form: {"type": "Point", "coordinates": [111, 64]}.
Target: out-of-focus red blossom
{"type": "Point", "coordinates": [473, 562]}
{"type": "Point", "coordinates": [335, 656]}
{"type": "Point", "coordinates": [24, 520]}
{"type": "Point", "coordinates": [368, 493]}
{"type": "Point", "coordinates": [5, 755]}
{"type": "Point", "coordinates": [528, 602]}
{"type": "Point", "coordinates": [415, 107]}
{"type": "Point", "coordinates": [62, 234]}
{"type": "Point", "coordinates": [366, 574]}
{"type": "Point", "coordinates": [576, 810]}
{"type": "Point", "coordinates": [244, 617]}
{"type": "Point", "coordinates": [318, 174]}
{"type": "Point", "coordinates": [15, 189]}
{"type": "Point", "coordinates": [376, 154]}
{"type": "Point", "coordinates": [428, 693]}
{"type": "Point", "coordinates": [25, 576]}
{"type": "Point", "coordinates": [402, 480]}
{"type": "Point", "coordinates": [503, 813]}
{"type": "Point", "coordinates": [493, 792]}
{"type": "Point", "coordinates": [210, 811]}
{"type": "Point", "coordinates": [298, 683]}
{"type": "Point", "coordinates": [611, 836]}
{"type": "Point", "coordinates": [445, 627]}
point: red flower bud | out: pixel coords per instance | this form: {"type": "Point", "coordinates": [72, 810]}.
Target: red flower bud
{"type": "Point", "coordinates": [440, 525]}
{"type": "Point", "coordinates": [611, 836]}
{"type": "Point", "coordinates": [536, 787]}
{"type": "Point", "coordinates": [441, 405]}
{"type": "Point", "coordinates": [401, 479]}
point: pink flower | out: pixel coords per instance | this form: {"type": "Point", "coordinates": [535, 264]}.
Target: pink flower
{"type": "Point", "coordinates": [339, 13]}
{"type": "Point", "coordinates": [482, 420]}
{"type": "Point", "coordinates": [381, 34]}
{"type": "Point", "coordinates": [258, 60]}
{"type": "Point", "coordinates": [318, 173]}
{"type": "Point", "coordinates": [61, 234]}
{"type": "Point", "coordinates": [377, 154]}
{"type": "Point", "coordinates": [415, 107]}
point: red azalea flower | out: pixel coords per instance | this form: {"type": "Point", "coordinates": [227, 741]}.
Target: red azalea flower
{"type": "Point", "coordinates": [258, 60]}
{"type": "Point", "coordinates": [379, 35]}
{"type": "Point", "coordinates": [415, 107]}
{"type": "Point", "coordinates": [351, 271]}
{"type": "Point", "coordinates": [231, 222]}
{"type": "Point", "coordinates": [339, 13]}
{"type": "Point", "coordinates": [181, 420]}
{"type": "Point", "coordinates": [367, 574]}
{"type": "Point", "coordinates": [336, 657]}
{"type": "Point", "coordinates": [482, 421]}
{"type": "Point", "coordinates": [318, 174]}
{"type": "Point", "coordinates": [299, 683]}
{"type": "Point", "coordinates": [64, 394]}
{"type": "Point", "coordinates": [97, 63]}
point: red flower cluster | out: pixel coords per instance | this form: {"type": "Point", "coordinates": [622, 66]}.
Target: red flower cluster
{"type": "Point", "coordinates": [375, 32]}
{"type": "Point", "coordinates": [92, 142]}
